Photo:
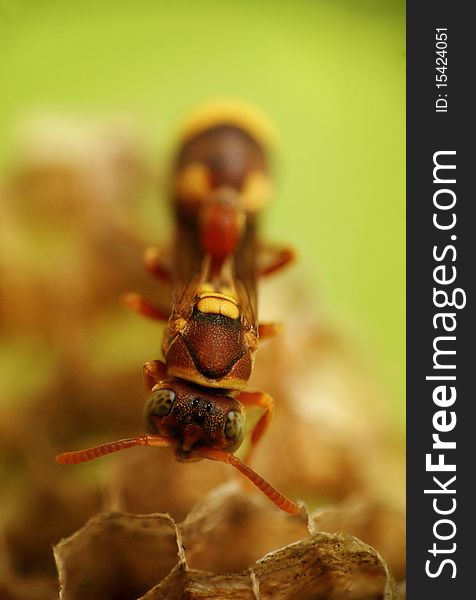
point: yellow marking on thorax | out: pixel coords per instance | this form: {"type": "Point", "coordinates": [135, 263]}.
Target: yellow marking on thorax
{"type": "Point", "coordinates": [231, 383]}
{"type": "Point", "coordinates": [217, 303]}
{"type": "Point", "coordinates": [208, 289]}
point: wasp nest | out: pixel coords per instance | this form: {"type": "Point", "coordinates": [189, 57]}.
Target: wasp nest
{"type": "Point", "coordinates": [229, 546]}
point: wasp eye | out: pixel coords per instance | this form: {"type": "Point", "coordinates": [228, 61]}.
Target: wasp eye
{"type": "Point", "coordinates": [235, 427]}
{"type": "Point", "coordinates": [160, 402]}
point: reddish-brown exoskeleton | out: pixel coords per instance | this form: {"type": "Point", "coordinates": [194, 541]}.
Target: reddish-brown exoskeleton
{"type": "Point", "coordinates": [197, 397]}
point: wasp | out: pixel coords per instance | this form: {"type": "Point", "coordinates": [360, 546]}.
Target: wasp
{"type": "Point", "coordinates": [219, 185]}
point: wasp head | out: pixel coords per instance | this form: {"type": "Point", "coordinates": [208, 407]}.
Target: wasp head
{"type": "Point", "coordinates": [194, 418]}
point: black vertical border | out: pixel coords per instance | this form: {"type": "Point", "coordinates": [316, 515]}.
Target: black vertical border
{"type": "Point", "coordinates": [427, 132]}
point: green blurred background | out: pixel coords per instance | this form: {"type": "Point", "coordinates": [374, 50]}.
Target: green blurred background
{"type": "Point", "coordinates": [330, 75]}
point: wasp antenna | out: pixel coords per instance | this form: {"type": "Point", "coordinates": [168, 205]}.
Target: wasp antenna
{"type": "Point", "coordinates": [80, 456]}
{"type": "Point", "coordinates": [268, 490]}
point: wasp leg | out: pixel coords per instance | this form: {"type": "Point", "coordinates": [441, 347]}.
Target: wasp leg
{"type": "Point", "coordinates": [154, 372]}
{"type": "Point", "coordinates": [138, 303]}
{"type": "Point", "coordinates": [274, 259]}
{"type": "Point", "coordinates": [155, 263]}
{"type": "Point", "coordinates": [268, 330]}
{"type": "Point", "coordinates": [260, 400]}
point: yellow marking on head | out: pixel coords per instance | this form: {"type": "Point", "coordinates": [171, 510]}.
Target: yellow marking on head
{"type": "Point", "coordinates": [218, 304]}
{"type": "Point", "coordinates": [193, 182]}
{"type": "Point", "coordinates": [256, 191]}
{"type": "Point", "coordinates": [233, 112]}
